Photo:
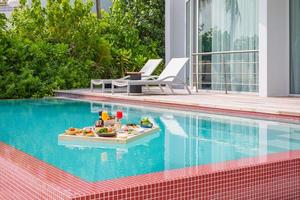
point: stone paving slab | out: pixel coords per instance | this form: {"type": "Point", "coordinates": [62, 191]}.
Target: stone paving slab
{"type": "Point", "coordinates": [243, 102]}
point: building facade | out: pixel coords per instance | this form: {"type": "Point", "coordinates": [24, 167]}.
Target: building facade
{"type": "Point", "coordinates": [250, 46]}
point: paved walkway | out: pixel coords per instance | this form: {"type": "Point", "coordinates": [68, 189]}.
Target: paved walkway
{"type": "Point", "coordinates": [241, 102]}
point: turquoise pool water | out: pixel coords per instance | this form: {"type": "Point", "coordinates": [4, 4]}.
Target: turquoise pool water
{"type": "Point", "coordinates": [185, 139]}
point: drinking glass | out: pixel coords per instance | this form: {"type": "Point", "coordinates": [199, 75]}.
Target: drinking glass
{"type": "Point", "coordinates": [104, 115]}
{"type": "Point", "coordinates": [119, 115]}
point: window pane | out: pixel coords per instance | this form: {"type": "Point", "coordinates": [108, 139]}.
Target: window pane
{"type": "Point", "coordinates": [295, 46]}
{"type": "Point", "coordinates": [228, 25]}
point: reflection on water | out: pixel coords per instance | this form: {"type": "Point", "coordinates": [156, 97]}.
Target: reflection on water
{"type": "Point", "coordinates": [185, 139]}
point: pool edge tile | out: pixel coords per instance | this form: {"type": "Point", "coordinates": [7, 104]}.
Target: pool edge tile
{"type": "Point", "coordinates": [157, 184]}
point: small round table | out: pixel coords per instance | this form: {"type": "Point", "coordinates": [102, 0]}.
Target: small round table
{"type": "Point", "coordinates": [135, 76]}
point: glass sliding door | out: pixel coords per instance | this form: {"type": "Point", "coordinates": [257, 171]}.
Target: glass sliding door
{"type": "Point", "coordinates": [226, 26]}
{"type": "Point", "coordinates": [295, 46]}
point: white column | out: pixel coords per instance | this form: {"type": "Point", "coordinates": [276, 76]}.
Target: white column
{"type": "Point", "coordinates": [175, 31]}
{"type": "Point", "coordinates": [174, 28]}
{"type": "Point", "coordinates": [274, 48]}
{"type": "Point", "coordinates": [168, 36]}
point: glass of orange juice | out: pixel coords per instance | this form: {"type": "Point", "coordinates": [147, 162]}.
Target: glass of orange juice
{"type": "Point", "coordinates": [104, 116]}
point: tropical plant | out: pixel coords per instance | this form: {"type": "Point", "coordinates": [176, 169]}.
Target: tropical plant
{"type": "Point", "coordinates": [64, 45]}
{"type": "Point", "coordinates": [2, 22]}
{"type": "Point", "coordinates": [59, 46]}
{"type": "Point", "coordinates": [62, 22]}
{"type": "Point", "coordinates": [135, 32]}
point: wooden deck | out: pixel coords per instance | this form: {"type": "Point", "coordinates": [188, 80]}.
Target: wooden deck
{"type": "Point", "coordinates": [289, 106]}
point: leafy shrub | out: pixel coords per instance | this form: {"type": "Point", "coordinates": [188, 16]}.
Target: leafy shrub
{"type": "Point", "coordinates": [57, 47]}
{"type": "Point", "coordinates": [64, 45]}
{"type": "Point", "coordinates": [35, 69]}
{"type": "Point", "coordinates": [135, 32]}
{"type": "Point", "coordinates": [60, 22]}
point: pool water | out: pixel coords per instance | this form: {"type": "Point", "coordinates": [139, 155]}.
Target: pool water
{"type": "Point", "coordinates": [185, 138]}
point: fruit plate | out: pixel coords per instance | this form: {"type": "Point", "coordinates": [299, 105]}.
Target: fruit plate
{"type": "Point", "coordinates": [149, 125]}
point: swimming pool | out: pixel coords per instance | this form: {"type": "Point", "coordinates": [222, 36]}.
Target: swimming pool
{"type": "Point", "coordinates": [186, 139]}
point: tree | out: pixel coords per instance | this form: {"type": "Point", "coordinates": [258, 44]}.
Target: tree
{"type": "Point", "coordinates": [98, 8]}
{"type": "Point", "coordinates": [135, 32]}
{"type": "Point", "coordinates": [60, 46]}
{"type": "Point", "coordinates": [64, 45]}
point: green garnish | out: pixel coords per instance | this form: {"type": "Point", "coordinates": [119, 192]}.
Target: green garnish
{"type": "Point", "coordinates": [146, 121]}
{"type": "Point", "coordinates": [102, 130]}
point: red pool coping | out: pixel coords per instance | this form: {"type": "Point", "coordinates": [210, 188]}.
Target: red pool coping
{"type": "Point", "coordinates": [48, 182]}
{"type": "Point", "coordinates": [181, 106]}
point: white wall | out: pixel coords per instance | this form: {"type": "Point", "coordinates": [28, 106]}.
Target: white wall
{"type": "Point", "coordinates": [175, 29]}
{"type": "Point", "coordinates": [274, 48]}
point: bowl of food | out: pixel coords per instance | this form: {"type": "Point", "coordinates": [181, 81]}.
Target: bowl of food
{"type": "Point", "coordinates": [146, 123]}
{"type": "Point", "coordinates": [73, 131]}
{"type": "Point", "coordinates": [106, 132]}
{"type": "Point", "coordinates": [88, 132]}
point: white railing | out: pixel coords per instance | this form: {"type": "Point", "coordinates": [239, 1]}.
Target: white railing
{"type": "Point", "coordinates": [226, 71]}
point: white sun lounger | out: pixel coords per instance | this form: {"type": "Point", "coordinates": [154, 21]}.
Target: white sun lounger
{"type": "Point", "coordinates": [147, 70]}
{"type": "Point", "coordinates": [168, 77]}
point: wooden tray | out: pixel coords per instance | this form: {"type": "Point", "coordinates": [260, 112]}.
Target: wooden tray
{"type": "Point", "coordinates": [118, 140]}
{"type": "Point", "coordinates": [105, 145]}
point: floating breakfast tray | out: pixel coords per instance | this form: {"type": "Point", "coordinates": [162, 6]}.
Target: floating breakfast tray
{"type": "Point", "coordinates": [114, 140]}
{"type": "Point", "coordinates": [105, 145]}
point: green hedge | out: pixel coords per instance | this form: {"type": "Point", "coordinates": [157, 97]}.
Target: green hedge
{"type": "Point", "coordinates": [64, 45]}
